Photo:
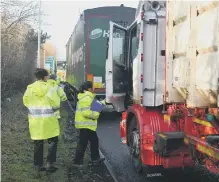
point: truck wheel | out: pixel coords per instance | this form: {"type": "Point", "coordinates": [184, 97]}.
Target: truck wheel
{"type": "Point", "coordinates": [134, 146]}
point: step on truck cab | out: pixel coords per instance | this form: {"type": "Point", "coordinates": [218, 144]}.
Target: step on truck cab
{"type": "Point", "coordinates": [158, 126]}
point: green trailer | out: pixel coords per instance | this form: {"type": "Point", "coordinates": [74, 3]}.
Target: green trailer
{"type": "Point", "coordinates": [87, 47]}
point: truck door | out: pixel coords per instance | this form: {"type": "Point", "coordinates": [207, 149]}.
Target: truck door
{"type": "Point", "coordinates": [116, 66]}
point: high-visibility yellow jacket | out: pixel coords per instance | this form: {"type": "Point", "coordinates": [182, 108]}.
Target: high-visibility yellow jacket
{"type": "Point", "coordinates": [84, 117]}
{"type": "Point", "coordinates": [43, 122]}
{"type": "Point", "coordinates": [58, 81]}
{"type": "Point", "coordinates": [57, 93]}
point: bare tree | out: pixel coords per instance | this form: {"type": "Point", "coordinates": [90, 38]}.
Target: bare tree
{"type": "Point", "coordinates": [19, 45]}
{"type": "Point", "coordinates": [16, 11]}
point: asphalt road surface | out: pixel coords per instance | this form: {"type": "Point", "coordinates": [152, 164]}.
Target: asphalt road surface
{"type": "Point", "coordinates": [117, 155]}
{"type": "Point", "coordinates": [116, 152]}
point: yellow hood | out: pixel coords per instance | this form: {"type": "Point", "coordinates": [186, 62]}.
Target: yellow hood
{"type": "Point", "coordinates": [38, 88]}
{"type": "Point", "coordinates": [80, 95]}
{"type": "Point", "coordinates": [52, 82]}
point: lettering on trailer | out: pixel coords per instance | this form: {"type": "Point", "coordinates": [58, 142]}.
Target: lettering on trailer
{"type": "Point", "coordinates": [77, 56]}
{"type": "Point", "coordinates": [97, 33]}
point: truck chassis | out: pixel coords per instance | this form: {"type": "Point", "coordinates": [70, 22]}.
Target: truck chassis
{"type": "Point", "coordinates": [171, 139]}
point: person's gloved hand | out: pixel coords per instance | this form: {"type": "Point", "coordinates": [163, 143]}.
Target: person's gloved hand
{"type": "Point", "coordinates": [103, 101]}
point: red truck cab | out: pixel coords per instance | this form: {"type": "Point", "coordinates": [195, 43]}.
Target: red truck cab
{"type": "Point", "coordinates": [159, 131]}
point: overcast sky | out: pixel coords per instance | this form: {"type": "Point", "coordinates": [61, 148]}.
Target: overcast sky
{"type": "Point", "coordinates": [62, 15]}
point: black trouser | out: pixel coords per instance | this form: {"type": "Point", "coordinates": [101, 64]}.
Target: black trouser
{"type": "Point", "coordinates": [86, 135]}
{"type": "Point", "coordinates": [38, 151]}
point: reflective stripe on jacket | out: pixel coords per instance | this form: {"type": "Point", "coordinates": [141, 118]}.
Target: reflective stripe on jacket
{"type": "Point", "coordinates": [43, 123]}
{"type": "Point", "coordinates": [84, 117]}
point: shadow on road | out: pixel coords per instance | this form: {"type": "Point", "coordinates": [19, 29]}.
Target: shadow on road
{"type": "Point", "coordinates": [110, 116]}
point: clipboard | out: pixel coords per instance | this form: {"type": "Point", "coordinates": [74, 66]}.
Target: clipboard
{"type": "Point", "coordinates": [97, 106]}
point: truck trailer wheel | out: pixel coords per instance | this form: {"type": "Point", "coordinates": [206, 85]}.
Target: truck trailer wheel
{"type": "Point", "coordinates": [134, 146]}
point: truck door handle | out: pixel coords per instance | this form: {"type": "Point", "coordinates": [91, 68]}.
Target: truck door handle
{"type": "Point", "coordinates": [110, 72]}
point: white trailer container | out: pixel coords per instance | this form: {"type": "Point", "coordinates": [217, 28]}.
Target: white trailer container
{"type": "Point", "coordinates": [192, 54]}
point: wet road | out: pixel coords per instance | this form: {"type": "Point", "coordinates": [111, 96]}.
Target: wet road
{"type": "Point", "coordinates": [116, 153]}
{"type": "Point", "coordinates": [118, 156]}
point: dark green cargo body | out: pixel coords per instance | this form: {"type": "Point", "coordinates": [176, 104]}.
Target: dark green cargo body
{"type": "Point", "coordinates": [86, 48]}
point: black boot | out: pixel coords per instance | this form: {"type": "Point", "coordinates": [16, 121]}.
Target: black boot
{"type": "Point", "coordinates": [77, 164]}
{"type": "Point", "coordinates": [51, 167]}
{"type": "Point", "coordinates": [97, 161]}
{"type": "Point", "coordinates": [39, 168]}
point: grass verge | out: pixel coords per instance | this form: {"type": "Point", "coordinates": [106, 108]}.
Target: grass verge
{"type": "Point", "coordinates": [17, 150]}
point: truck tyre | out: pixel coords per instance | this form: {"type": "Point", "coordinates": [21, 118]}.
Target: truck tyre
{"type": "Point", "coordinates": [134, 145]}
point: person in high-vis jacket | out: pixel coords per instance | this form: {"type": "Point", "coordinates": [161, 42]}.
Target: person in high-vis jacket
{"type": "Point", "coordinates": [58, 80]}
{"type": "Point", "coordinates": [56, 92]}
{"type": "Point", "coordinates": [86, 122]}
{"type": "Point", "coordinates": [43, 122]}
